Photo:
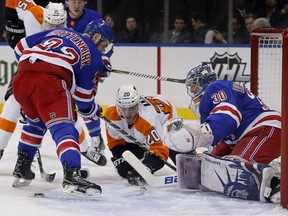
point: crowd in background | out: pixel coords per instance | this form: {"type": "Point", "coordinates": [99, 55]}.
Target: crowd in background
{"type": "Point", "coordinates": [190, 21]}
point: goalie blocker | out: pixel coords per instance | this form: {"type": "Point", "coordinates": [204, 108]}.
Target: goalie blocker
{"type": "Point", "coordinates": [232, 178]}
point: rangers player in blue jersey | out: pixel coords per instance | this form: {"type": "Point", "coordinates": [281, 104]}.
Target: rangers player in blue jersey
{"type": "Point", "coordinates": [57, 69]}
{"type": "Point", "coordinates": [242, 133]}
{"type": "Point", "coordinates": [78, 15]}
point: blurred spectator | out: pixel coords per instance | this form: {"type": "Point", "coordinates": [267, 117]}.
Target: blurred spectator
{"type": "Point", "coordinates": [214, 36]}
{"type": "Point", "coordinates": [112, 20]}
{"type": "Point", "coordinates": [249, 20]}
{"type": "Point", "coordinates": [261, 23]}
{"type": "Point", "coordinates": [200, 27]}
{"type": "Point", "coordinates": [274, 13]}
{"type": "Point", "coordinates": [179, 35]}
{"type": "Point", "coordinates": [241, 9]}
{"type": "Point", "coordinates": [156, 35]}
{"type": "Point", "coordinates": [239, 32]}
{"type": "Point", "coordinates": [78, 15]}
{"type": "Point", "coordinates": [132, 33]}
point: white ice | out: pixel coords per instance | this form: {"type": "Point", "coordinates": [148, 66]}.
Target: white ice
{"type": "Point", "coordinates": [156, 201]}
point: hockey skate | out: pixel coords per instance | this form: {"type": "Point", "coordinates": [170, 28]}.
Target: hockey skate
{"type": "Point", "coordinates": [75, 185]}
{"type": "Point", "coordinates": [22, 172]}
{"type": "Point", "coordinates": [94, 152]}
{"type": "Point", "coordinates": [1, 153]}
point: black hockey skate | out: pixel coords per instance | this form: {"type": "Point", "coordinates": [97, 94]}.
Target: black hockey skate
{"type": "Point", "coordinates": [74, 184]}
{"type": "Point", "coordinates": [22, 171]}
{"type": "Point", "coordinates": [1, 153]}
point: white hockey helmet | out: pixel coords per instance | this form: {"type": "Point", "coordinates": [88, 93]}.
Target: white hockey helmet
{"type": "Point", "coordinates": [55, 14]}
{"type": "Point", "coordinates": [127, 102]}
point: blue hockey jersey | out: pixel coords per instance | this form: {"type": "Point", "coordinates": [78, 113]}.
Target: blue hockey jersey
{"type": "Point", "coordinates": [232, 111]}
{"type": "Point", "coordinates": [69, 49]}
{"type": "Point", "coordinates": [80, 24]}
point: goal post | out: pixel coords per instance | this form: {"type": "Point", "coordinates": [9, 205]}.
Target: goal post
{"type": "Point", "coordinates": [269, 80]}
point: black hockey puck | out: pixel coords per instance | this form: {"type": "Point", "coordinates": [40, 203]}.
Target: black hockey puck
{"type": "Point", "coordinates": [39, 195]}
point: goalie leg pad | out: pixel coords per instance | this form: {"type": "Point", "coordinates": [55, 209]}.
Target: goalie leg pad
{"type": "Point", "coordinates": [244, 180]}
{"type": "Point", "coordinates": [188, 171]}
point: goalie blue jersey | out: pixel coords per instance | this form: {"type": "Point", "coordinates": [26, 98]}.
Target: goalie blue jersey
{"type": "Point", "coordinates": [232, 111]}
{"type": "Point", "coordinates": [69, 49]}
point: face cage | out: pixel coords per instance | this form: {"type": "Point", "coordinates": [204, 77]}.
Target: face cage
{"type": "Point", "coordinates": [194, 84]}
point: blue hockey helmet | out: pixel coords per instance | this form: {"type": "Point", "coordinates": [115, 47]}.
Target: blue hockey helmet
{"type": "Point", "coordinates": [198, 79]}
{"type": "Point", "coordinates": [101, 27]}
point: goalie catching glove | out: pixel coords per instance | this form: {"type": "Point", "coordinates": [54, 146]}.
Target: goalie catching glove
{"type": "Point", "coordinates": [188, 137]}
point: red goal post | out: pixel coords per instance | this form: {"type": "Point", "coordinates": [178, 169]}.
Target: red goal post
{"type": "Point", "coordinates": [269, 80]}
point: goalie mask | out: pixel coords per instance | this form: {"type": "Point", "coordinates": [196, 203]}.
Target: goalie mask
{"type": "Point", "coordinates": [197, 81]}
{"type": "Point", "coordinates": [127, 103]}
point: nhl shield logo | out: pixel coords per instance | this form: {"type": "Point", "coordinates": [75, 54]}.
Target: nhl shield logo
{"type": "Point", "coordinates": [229, 67]}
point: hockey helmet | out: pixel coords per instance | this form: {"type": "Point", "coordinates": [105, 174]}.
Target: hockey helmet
{"type": "Point", "coordinates": [55, 13]}
{"type": "Point", "coordinates": [101, 27]}
{"type": "Point", "coordinates": [127, 102]}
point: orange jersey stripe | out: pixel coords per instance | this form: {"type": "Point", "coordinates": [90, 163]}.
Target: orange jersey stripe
{"type": "Point", "coordinates": [111, 113]}
{"type": "Point", "coordinates": [7, 125]}
{"type": "Point", "coordinates": [12, 3]}
{"type": "Point", "coordinates": [82, 136]}
{"type": "Point", "coordinates": [36, 10]}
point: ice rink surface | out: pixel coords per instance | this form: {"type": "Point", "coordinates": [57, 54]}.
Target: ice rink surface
{"type": "Point", "coordinates": [156, 201]}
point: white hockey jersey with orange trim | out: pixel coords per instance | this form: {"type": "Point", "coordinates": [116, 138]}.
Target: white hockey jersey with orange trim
{"type": "Point", "coordinates": [153, 113]}
{"type": "Point", "coordinates": [30, 13]}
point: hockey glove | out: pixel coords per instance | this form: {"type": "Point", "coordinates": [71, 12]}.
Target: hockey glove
{"type": "Point", "coordinates": [107, 67]}
{"type": "Point", "coordinates": [152, 162]}
{"type": "Point", "coordinates": [94, 112]}
{"type": "Point", "coordinates": [122, 166]}
{"type": "Point", "coordinates": [109, 50]}
{"type": "Point", "coordinates": [14, 32]}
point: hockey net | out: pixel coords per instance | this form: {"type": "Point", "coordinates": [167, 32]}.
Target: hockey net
{"type": "Point", "coordinates": [269, 80]}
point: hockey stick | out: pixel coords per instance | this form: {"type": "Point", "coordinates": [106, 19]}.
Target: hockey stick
{"type": "Point", "coordinates": [152, 180]}
{"type": "Point", "coordinates": [149, 76]}
{"type": "Point", "coordinates": [48, 177]}
{"type": "Point", "coordinates": [141, 145]}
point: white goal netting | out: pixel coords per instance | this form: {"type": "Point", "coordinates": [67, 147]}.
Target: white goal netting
{"type": "Point", "coordinates": [270, 71]}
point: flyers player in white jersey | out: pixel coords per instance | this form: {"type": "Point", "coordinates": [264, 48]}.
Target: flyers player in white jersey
{"type": "Point", "coordinates": [143, 118]}
{"type": "Point", "coordinates": [16, 13]}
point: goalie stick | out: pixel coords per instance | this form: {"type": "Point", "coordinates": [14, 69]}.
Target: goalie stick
{"type": "Point", "coordinates": [129, 136]}
{"type": "Point", "coordinates": [152, 180]}
{"type": "Point", "coordinates": [48, 177]}
{"type": "Point", "coordinates": [149, 76]}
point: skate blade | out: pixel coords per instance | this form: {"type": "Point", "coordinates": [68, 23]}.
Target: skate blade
{"type": "Point", "coordinates": [20, 182]}
{"type": "Point", "coordinates": [89, 194]}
